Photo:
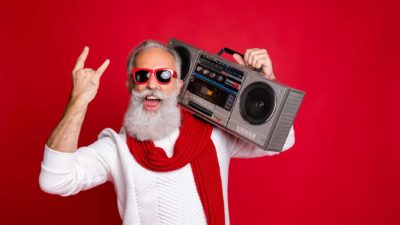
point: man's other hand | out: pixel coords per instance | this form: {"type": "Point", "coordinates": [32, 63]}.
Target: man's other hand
{"type": "Point", "coordinates": [86, 80]}
{"type": "Point", "coordinates": [257, 59]}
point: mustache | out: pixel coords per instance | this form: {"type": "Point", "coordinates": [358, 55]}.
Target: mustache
{"type": "Point", "coordinates": [146, 92]}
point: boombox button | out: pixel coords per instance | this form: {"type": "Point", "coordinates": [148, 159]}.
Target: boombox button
{"type": "Point", "coordinates": [220, 79]}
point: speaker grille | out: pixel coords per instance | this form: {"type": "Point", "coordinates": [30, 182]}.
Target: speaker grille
{"type": "Point", "coordinates": [286, 120]}
{"type": "Point", "coordinates": [257, 103]}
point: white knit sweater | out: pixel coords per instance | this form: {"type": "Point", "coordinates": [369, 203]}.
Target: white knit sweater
{"type": "Point", "coordinates": [144, 197]}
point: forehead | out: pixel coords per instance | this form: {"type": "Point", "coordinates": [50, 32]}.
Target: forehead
{"type": "Point", "coordinates": [155, 58]}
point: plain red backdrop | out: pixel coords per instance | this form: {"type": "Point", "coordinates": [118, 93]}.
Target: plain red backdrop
{"type": "Point", "coordinates": [345, 165]}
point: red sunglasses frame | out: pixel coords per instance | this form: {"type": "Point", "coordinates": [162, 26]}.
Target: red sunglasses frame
{"type": "Point", "coordinates": [152, 72]}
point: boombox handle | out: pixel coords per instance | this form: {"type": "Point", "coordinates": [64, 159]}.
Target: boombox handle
{"type": "Point", "coordinates": [231, 52]}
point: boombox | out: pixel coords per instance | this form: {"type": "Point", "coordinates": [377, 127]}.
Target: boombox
{"type": "Point", "coordinates": [235, 98]}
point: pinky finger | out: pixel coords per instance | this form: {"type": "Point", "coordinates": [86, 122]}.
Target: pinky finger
{"type": "Point", "coordinates": [103, 67]}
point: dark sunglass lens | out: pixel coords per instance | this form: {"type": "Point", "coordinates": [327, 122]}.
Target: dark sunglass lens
{"type": "Point", "coordinates": [164, 76]}
{"type": "Point", "coordinates": [142, 75]}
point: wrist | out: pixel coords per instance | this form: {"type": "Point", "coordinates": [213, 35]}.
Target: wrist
{"type": "Point", "coordinates": [78, 101]}
{"type": "Point", "coordinates": [76, 106]}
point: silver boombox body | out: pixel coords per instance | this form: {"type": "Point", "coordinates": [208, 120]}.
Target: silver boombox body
{"type": "Point", "coordinates": [235, 98]}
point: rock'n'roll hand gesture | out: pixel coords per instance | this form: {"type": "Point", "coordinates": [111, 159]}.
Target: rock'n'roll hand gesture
{"type": "Point", "coordinates": [86, 81]}
{"type": "Point", "coordinates": [257, 59]}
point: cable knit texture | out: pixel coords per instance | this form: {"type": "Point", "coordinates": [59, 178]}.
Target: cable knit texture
{"type": "Point", "coordinates": [194, 146]}
{"type": "Point", "coordinates": [143, 196]}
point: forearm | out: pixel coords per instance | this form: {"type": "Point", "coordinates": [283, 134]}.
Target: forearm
{"type": "Point", "coordinates": [65, 136]}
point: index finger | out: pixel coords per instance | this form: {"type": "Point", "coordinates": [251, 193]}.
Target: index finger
{"type": "Point", "coordinates": [238, 58]}
{"type": "Point", "coordinates": [103, 67]}
{"type": "Point", "coordinates": [80, 62]}
{"type": "Point", "coordinates": [247, 56]}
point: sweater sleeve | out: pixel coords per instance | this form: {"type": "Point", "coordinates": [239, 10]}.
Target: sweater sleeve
{"type": "Point", "coordinates": [69, 173]}
{"type": "Point", "coordinates": [242, 149]}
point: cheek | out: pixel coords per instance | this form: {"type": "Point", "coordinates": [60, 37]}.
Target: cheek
{"type": "Point", "coordinates": [139, 87]}
{"type": "Point", "coordinates": [169, 89]}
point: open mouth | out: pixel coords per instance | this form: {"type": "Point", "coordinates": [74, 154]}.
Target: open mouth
{"type": "Point", "coordinates": [151, 103]}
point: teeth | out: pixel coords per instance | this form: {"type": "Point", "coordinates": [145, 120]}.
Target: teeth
{"type": "Point", "coordinates": [151, 97]}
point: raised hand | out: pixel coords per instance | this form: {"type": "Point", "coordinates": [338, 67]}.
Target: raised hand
{"type": "Point", "coordinates": [258, 59]}
{"type": "Point", "coordinates": [86, 80]}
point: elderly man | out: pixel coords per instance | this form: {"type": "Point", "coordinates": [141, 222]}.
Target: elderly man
{"type": "Point", "coordinates": [167, 166]}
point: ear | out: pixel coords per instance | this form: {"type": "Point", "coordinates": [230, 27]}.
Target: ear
{"type": "Point", "coordinates": [129, 85]}
{"type": "Point", "coordinates": [179, 85]}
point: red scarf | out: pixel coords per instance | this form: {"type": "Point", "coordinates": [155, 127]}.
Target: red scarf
{"type": "Point", "coordinates": [194, 146]}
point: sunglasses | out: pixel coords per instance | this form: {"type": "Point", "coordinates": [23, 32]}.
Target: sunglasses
{"type": "Point", "coordinates": [163, 75]}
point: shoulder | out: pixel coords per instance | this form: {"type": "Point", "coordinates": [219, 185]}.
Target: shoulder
{"type": "Point", "coordinates": [219, 135]}
{"type": "Point", "coordinates": [109, 139]}
{"type": "Point", "coordinates": [109, 134]}
{"type": "Point", "coordinates": [221, 138]}
{"type": "Point", "coordinates": [108, 146]}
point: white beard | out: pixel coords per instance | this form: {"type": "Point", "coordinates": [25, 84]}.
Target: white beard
{"type": "Point", "coordinates": [152, 125]}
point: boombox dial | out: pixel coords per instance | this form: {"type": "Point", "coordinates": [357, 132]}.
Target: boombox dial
{"type": "Point", "coordinates": [220, 79]}
{"type": "Point", "coordinates": [212, 75]}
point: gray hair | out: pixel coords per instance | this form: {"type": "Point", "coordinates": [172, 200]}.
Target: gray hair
{"type": "Point", "coordinates": [152, 44]}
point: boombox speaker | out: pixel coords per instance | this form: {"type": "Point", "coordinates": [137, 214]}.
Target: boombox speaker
{"type": "Point", "coordinates": [235, 98]}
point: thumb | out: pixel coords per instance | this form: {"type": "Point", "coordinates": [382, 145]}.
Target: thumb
{"type": "Point", "coordinates": [238, 58]}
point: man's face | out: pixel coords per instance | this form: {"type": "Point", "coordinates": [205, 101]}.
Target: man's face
{"type": "Point", "coordinates": [153, 112]}
{"type": "Point", "coordinates": [154, 58]}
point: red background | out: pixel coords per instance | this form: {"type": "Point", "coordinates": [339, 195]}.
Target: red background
{"type": "Point", "coordinates": [344, 167]}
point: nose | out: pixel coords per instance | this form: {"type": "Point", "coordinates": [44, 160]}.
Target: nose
{"type": "Point", "coordinates": [152, 83]}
